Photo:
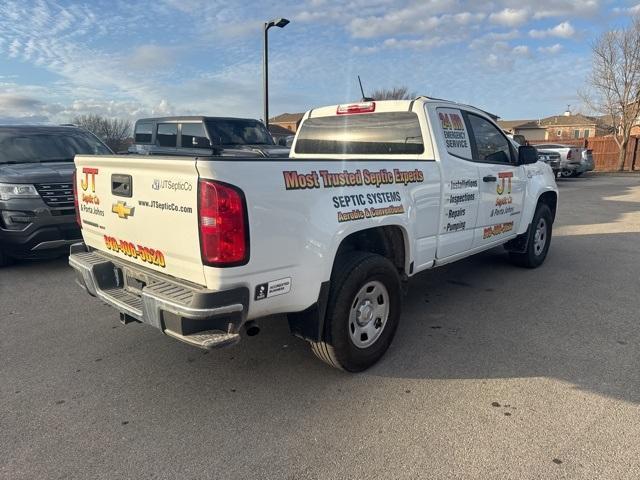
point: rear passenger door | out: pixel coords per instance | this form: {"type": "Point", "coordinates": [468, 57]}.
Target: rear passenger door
{"type": "Point", "coordinates": [502, 182]}
{"type": "Point", "coordinates": [459, 201]}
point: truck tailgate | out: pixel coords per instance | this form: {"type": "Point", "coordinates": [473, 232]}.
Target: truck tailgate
{"type": "Point", "coordinates": [143, 210]}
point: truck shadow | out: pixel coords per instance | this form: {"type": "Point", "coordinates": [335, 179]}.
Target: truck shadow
{"type": "Point", "coordinates": [571, 320]}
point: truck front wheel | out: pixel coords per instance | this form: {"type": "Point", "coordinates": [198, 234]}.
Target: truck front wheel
{"type": "Point", "coordinates": [362, 313]}
{"type": "Point", "coordinates": [538, 241]}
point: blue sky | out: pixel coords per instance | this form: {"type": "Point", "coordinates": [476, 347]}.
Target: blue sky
{"type": "Point", "coordinates": [518, 58]}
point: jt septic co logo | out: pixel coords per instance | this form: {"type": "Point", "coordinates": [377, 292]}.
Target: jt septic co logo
{"type": "Point", "coordinates": [504, 183]}
{"type": "Point", "coordinates": [89, 179]}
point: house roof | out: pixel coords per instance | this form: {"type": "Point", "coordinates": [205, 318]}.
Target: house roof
{"type": "Point", "coordinates": [287, 118]}
{"type": "Point", "coordinates": [278, 130]}
{"type": "Point", "coordinates": [519, 124]}
{"type": "Point", "coordinates": [569, 120]}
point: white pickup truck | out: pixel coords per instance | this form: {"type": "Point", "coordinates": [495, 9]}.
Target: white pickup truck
{"type": "Point", "coordinates": [372, 194]}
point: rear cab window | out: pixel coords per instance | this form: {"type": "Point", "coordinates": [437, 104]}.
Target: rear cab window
{"type": "Point", "coordinates": [384, 133]}
{"type": "Point", "coordinates": [454, 131]}
{"type": "Point", "coordinates": [192, 135]}
{"type": "Point", "coordinates": [143, 133]}
{"type": "Point", "coordinates": [167, 134]}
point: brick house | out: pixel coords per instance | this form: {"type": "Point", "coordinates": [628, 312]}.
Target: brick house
{"type": "Point", "coordinates": [573, 127]}
{"type": "Point", "coordinates": [289, 121]}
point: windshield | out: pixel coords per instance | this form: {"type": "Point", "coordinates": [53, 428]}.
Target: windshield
{"type": "Point", "coordinates": [17, 147]}
{"type": "Point", "coordinates": [228, 131]}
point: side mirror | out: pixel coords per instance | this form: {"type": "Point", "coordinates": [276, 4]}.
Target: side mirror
{"type": "Point", "coordinates": [527, 155]}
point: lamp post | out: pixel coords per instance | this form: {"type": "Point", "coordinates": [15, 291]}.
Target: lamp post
{"type": "Point", "coordinates": [281, 23]}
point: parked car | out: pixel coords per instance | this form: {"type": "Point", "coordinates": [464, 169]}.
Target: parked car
{"type": "Point", "coordinates": [587, 160]}
{"type": "Point", "coordinates": [220, 136]}
{"type": "Point", "coordinates": [551, 158]}
{"type": "Point", "coordinates": [517, 138]}
{"type": "Point", "coordinates": [571, 159]}
{"type": "Point", "coordinates": [373, 193]}
{"type": "Point", "coordinates": [37, 215]}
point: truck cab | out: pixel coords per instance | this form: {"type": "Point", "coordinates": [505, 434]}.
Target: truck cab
{"type": "Point", "coordinates": [200, 136]}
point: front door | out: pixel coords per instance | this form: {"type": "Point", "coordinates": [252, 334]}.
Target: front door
{"type": "Point", "coordinates": [502, 182]}
{"type": "Point", "coordinates": [460, 188]}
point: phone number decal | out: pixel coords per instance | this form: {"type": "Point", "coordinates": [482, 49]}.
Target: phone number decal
{"type": "Point", "coordinates": [146, 254]}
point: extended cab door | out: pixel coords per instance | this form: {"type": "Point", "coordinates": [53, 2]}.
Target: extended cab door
{"type": "Point", "coordinates": [460, 186]}
{"type": "Point", "coordinates": [502, 182]}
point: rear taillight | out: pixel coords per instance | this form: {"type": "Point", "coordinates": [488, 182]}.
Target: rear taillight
{"type": "Point", "coordinates": [76, 204]}
{"type": "Point", "coordinates": [224, 239]}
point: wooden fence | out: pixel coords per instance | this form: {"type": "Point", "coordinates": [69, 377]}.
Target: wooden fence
{"type": "Point", "coordinates": [605, 152]}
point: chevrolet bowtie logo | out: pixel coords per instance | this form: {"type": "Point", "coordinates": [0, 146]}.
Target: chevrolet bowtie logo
{"type": "Point", "coordinates": [122, 210]}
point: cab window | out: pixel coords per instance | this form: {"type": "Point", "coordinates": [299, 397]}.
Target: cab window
{"type": "Point", "coordinates": [167, 134]}
{"type": "Point", "coordinates": [387, 133]}
{"type": "Point", "coordinates": [454, 132]}
{"type": "Point", "coordinates": [143, 132]}
{"type": "Point", "coordinates": [193, 136]}
{"type": "Point", "coordinates": [491, 145]}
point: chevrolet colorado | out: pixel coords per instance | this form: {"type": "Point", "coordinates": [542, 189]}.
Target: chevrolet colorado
{"type": "Point", "coordinates": [372, 194]}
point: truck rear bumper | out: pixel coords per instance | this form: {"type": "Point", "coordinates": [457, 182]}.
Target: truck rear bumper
{"type": "Point", "coordinates": [203, 318]}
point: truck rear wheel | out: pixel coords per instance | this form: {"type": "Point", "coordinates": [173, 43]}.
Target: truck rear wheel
{"type": "Point", "coordinates": [538, 241]}
{"type": "Point", "coordinates": [362, 313]}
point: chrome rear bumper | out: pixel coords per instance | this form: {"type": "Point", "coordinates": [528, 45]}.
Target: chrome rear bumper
{"type": "Point", "coordinates": [197, 316]}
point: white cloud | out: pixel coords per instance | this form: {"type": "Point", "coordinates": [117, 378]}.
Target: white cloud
{"type": "Point", "coordinates": [562, 30]}
{"type": "Point", "coordinates": [510, 17]}
{"type": "Point", "coordinates": [491, 38]}
{"type": "Point", "coordinates": [635, 10]}
{"type": "Point", "coordinates": [151, 57]}
{"type": "Point", "coordinates": [566, 8]}
{"type": "Point", "coordinates": [553, 49]}
{"type": "Point", "coordinates": [521, 51]}
{"type": "Point", "coordinates": [415, 19]}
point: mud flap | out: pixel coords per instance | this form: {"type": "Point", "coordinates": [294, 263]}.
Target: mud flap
{"type": "Point", "coordinates": [309, 324]}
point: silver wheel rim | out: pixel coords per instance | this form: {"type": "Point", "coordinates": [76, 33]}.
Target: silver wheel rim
{"type": "Point", "coordinates": [540, 237]}
{"type": "Point", "coordinates": [369, 313]}
{"type": "Point", "coordinates": [565, 173]}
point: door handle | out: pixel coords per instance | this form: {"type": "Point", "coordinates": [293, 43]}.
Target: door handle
{"type": "Point", "coordinates": [489, 178]}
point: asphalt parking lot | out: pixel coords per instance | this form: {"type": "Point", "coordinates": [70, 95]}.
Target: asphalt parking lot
{"type": "Point", "coordinates": [496, 372]}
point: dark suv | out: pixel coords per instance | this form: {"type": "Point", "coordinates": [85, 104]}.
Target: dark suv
{"type": "Point", "coordinates": [37, 214]}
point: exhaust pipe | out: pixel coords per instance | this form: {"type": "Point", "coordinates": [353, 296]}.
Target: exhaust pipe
{"type": "Point", "coordinates": [252, 328]}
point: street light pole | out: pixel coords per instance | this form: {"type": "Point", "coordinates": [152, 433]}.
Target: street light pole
{"type": "Point", "coordinates": [281, 23]}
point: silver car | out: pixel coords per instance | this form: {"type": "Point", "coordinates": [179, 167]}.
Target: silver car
{"type": "Point", "coordinates": [571, 159]}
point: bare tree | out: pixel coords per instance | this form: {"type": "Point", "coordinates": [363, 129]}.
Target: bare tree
{"type": "Point", "coordinates": [613, 87]}
{"type": "Point", "coordinates": [115, 132]}
{"type": "Point", "coordinates": [395, 93]}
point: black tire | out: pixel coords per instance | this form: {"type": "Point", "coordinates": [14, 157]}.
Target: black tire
{"type": "Point", "coordinates": [534, 256]}
{"type": "Point", "coordinates": [352, 273]}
